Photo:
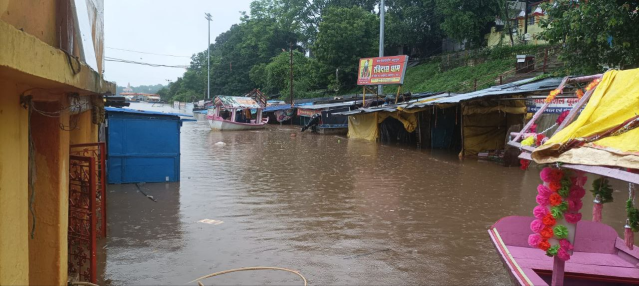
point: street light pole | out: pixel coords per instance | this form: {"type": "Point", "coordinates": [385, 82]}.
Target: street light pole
{"type": "Point", "coordinates": [208, 59]}
{"type": "Point", "coordinates": [381, 36]}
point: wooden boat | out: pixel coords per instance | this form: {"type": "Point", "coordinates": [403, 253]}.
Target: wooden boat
{"type": "Point", "coordinates": [600, 257]}
{"type": "Point", "coordinates": [589, 252]}
{"type": "Point", "coordinates": [232, 113]}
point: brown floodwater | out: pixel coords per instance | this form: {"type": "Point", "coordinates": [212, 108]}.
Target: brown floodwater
{"type": "Point", "coordinates": [340, 211]}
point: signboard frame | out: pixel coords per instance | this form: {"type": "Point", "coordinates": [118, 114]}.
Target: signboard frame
{"type": "Point", "coordinates": [392, 68]}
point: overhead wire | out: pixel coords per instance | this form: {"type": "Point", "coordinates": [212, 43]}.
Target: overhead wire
{"type": "Point", "coordinates": [147, 53]}
{"type": "Point", "coordinates": [109, 59]}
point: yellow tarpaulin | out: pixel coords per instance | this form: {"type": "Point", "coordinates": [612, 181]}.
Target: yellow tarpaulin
{"type": "Point", "coordinates": [615, 100]}
{"type": "Point", "coordinates": [486, 124]}
{"type": "Point", "coordinates": [366, 126]}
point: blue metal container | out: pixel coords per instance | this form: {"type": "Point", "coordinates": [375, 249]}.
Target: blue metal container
{"type": "Point", "coordinates": [142, 146]}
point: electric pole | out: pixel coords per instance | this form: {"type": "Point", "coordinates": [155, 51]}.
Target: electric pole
{"type": "Point", "coordinates": [381, 37]}
{"type": "Point", "coordinates": [208, 59]}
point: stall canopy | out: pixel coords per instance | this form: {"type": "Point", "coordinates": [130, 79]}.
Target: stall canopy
{"type": "Point", "coordinates": [604, 133]}
{"type": "Point", "coordinates": [231, 102]}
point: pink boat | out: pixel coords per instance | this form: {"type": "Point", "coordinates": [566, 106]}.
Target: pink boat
{"type": "Point", "coordinates": [233, 113]}
{"type": "Point", "coordinates": [600, 257]}
{"type": "Point", "coordinates": [557, 247]}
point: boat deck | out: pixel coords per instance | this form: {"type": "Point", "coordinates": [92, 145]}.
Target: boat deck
{"type": "Point", "coordinates": [600, 255]}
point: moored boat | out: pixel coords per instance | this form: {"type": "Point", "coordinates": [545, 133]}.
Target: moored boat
{"type": "Point", "coordinates": [556, 247]}
{"type": "Point", "coordinates": [234, 113]}
{"type": "Point", "coordinates": [599, 257]}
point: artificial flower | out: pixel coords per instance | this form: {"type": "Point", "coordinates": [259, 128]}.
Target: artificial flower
{"type": "Point", "coordinates": [556, 175]}
{"type": "Point", "coordinates": [534, 240]}
{"type": "Point", "coordinates": [579, 179]}
{"type": "Point", "coordinates": [556, 212]}
{"type": "Point", "coordinates": [563, 206]}
{"type": "Point", "coordinates": [540, 139]}
{"type": "Point", "coordinates": [530, 141]}
{"type": "Point", "coordinates": [533, 128]}
{"type": "Point", "coordinates": [575, 205]}
{"type": "Point", "coordinates": [562, 117]}
{"type": "Point", "coordinates": [544, 245]}
{"type": "Point", "coordinates": [577, 192]}
{"type": "Point", "coordinates": [563, 254]}
{"type": "Point", "coordinates": [554, 186]}
{"type": "Point", "coordinates": [579, 93]}
{"type": "Point", "coordinates": [536, 226]}
{"type": "Point", "coordinates": [573, 217]}
{"type": "Point", "coordinates": [552, 251]}
{"type": "Point", "coordinates": [555, 199]}
{"type": "Point", "coordinates": [549, 220]}
{"type": "Point", "coordinates": [560, 231]}
{"type": "Point", "coordinates": [564, 192]}
{"type": "Point", "coordinates": [545, 174]}
{"type": "Point", "coordinates": [540, 212]}
{"type": "Point", "coordinates": [565, 244]}
{"type": "Point", "coordinates": [551, 96]}
{"type": "Point", "coordinates": [547, 233]}
{"type": "Point", "coordinates": [544, 191]}
{"type": "Point", "coordinates": [524, 164]}
{"type": "Point", "coordinates": [542, 201]}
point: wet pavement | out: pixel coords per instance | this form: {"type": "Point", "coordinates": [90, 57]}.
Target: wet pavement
{"type": "Point", "coordinates": [340, 211]}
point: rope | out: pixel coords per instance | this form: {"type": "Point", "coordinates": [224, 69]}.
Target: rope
{"type": "Point", "coordinates": [248, 269]}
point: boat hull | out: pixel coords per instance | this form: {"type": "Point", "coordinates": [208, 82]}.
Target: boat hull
{"type": "Point", "coordinates": [224, 125]}
{"type": "Point", "coordinates": [600, 256]}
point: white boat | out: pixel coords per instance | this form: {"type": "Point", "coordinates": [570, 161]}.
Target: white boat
{"type": "Point", "coordinates": [233, 113]}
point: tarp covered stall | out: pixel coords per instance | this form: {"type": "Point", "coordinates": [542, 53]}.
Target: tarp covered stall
{"type": "Point", "coordinates": [486, 123]}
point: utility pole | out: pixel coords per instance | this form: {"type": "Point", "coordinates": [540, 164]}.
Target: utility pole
{"type": "Point", "coordinates": [291, 73]}
{"type": "Point", "coordinates": [208, 59]}
{"type": "Point", "coordinates": [381, 36]}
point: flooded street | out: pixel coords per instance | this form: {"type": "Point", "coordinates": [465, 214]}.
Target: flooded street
{"type": "Point", "coordinates": [340, 211]}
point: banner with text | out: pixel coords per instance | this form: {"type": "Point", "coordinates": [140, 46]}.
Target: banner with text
{"type": "Point", "coordinates": [385, 70]}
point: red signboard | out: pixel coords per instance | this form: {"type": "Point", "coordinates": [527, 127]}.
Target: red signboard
{"type": "Point", "coordinates": [385, 70]}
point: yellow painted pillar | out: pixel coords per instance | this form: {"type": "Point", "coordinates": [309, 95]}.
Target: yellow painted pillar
{"type": "Point", "coordinates": [48, 251]}
{"type": "Point", "coordinates": [14, 239]}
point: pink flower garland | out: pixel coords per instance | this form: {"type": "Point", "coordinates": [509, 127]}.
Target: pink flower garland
{"type": "Point", "coordinates": [567, 207]}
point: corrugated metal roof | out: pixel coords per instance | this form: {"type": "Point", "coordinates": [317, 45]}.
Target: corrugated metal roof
{"type": "Point", "coordinates": [144, 112]}
{"type": "Point", "coordinates": [330, 105]}
{"type": "Point", "coordinates": [278, 107]}
{"type": "Point", "coordinates": [518, 87]}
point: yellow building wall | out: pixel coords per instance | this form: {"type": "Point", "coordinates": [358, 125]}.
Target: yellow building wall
{"type": "Point", "coordinates": [48, 250]}
{"type": "Point", "coordinates": [14, 237]}
{"type": "Point", "coordinates": [35, 17]}
{"type": "Point", "coordinates": [86, 131]}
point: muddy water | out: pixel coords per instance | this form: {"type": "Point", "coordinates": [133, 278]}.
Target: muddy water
{"type": "Point", "coordinates": [342, 212]}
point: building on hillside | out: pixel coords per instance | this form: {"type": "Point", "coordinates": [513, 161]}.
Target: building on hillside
{"type": "Point", "coordinates": [51, 102]}
{"type": "Point", "coordinates": [526, 27]}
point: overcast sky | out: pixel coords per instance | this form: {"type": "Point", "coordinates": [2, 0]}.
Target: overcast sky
{"type": "Point", "coordinates": [174, 27]}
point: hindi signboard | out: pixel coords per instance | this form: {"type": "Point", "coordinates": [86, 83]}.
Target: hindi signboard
{"type": "Point", "coordinates": [384, 70]}
{"type": "Point", "coordinates": [556, 106]}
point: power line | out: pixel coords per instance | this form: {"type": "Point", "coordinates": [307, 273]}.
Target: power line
{"type": "Point", "coordinates": [147, 53]}
{"type": "Point", "coordinates": [108, 59]}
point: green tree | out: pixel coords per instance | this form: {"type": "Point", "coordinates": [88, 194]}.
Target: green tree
{"type": "Point", "coordinates": [595, 34]}
{"type": "Point", "coordinates": [467, 20]}
{"type": "Point", "coordinates": [345, 35]}
{"type": "Point", "coordinates": [413, 28]}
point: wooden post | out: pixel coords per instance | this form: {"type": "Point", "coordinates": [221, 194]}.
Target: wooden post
{"type": "Point", "coordinates": [558, 272]}
{"type": "Point", "coordinates": [463, 151]}
{"type": "Point", "coordinates": [399, 89]}
{"type": "Point", "coordinates": [364, 96]}
{"type": "Point", "coordinates": [501, 80]}
{"type": "Point", "coordinates": [419, 129]}
{"type": "Point", "coordinates": [475, 84]}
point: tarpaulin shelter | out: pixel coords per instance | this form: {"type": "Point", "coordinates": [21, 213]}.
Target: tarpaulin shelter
{"type": "Point", "coordinates": [481, 117]}
{"type": "Point", "coordinates": [613, 105]}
